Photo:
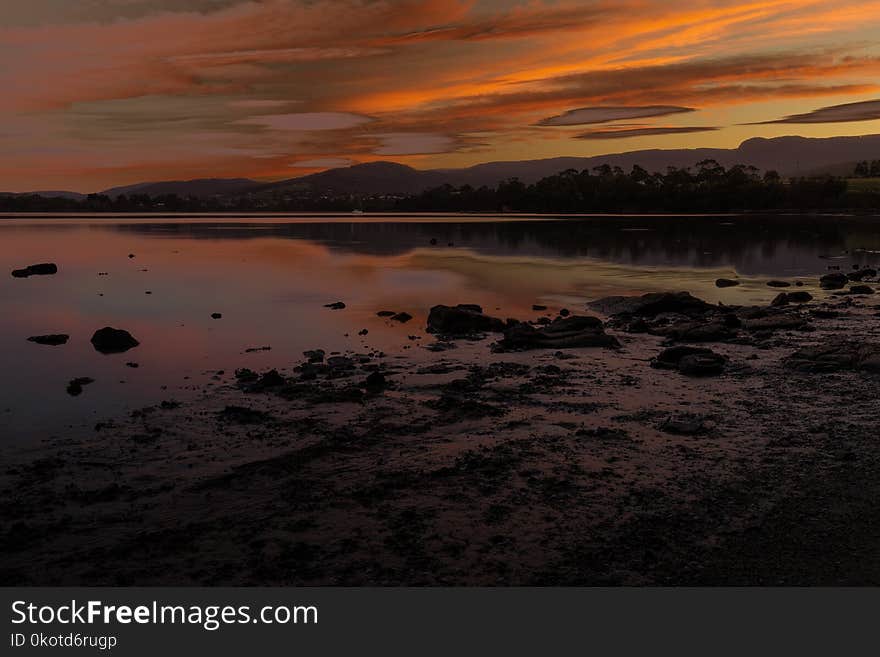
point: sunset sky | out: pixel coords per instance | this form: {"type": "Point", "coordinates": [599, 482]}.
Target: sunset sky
{"type": "Point", "coordinates": [99, 93]}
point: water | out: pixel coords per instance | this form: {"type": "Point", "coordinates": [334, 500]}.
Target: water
{"type": "Point", "coordinates": [270, 277]}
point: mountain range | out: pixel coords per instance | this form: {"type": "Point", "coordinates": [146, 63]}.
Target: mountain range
{"type": "Point", "coordinates": [790, 156]}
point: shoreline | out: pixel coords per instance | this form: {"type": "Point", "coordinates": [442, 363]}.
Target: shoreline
{"type": "Point", "coordinates": [550, 466]}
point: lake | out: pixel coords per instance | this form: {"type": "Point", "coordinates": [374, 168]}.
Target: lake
{"type": "Point", "coordinates": [271, 275]}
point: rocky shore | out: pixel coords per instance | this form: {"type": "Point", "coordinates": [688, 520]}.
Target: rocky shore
{"type": "Point", "coordinates": [640, 440]}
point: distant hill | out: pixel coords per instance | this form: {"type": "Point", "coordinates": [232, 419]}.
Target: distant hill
{"type": "Point", "coordinates": [790, 156]}
{"type": "Point", "coordinates": [75, 196]}
{"type": "Point", "coordinates": [201, 188]}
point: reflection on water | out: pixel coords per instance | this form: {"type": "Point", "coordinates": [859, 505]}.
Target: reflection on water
{"type": "Point", "coordinates": [270, 278]}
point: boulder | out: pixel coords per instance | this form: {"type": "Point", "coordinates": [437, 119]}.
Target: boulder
{"type": "Point", "coordinates": [336, 305]}
{"type": "Point", "coordinates": [726, 282]}
{"type": "Point", "coordinates": [462, 319]}
{"type": "Point", "coordinates": [109, 340]}
{"type": "Point", "coordinates": [651, 305]}
{"type": "Point", "coordinates": [53, 340]}
{"type": "Point", "coordinates": [778, 284]}
{"type": "Point", "coordinates": [833, 281]}
{"type": "Point", "coordinates": [402, 317]}
{"type": "Point", "coordinates": [41, 269]}
{"type": "Point", "coordinates": [574, 331]}
{"type": "Point", "coordinates": [836, 357]}
{"type": "Point", "coordinates": [861, 289]}
{"type": "Point", "coordinates": [862, 274]}
{"type": "Point", "coordinates": [691, 361]}
{"type": "Point", "coordinates": [785, 298]}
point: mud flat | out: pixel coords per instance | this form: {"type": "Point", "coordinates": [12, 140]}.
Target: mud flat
{"type": "Point", "coordinates": [666, 442]}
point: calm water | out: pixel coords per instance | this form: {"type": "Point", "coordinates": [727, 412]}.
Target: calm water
{"type": "Point", "coordinates": [271, 276]}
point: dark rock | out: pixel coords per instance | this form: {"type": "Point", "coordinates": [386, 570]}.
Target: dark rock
{"type": "Point", "coordinates": [834, 281]}
{"type": "Point", "coordinates": [861, 289]}
{"type": "Point", "coordinates": [862, 274]}
{"type": "Point", "coordinates": [375, 381]}
{"type": "Point", "coordinates": [109, 340]}
{"type": "Point", "coordinates": [270, 379]}
{"type": "Point", "coordinates": [315, 355]}
{"type": "Point", "coordinates": [690, 331]}
{"type": "Point", "coordinates": [53, 340]}
{"type": "Point", "coordinates": [433, 241]}
{"type": "Point", "coordinates": [565, 312]}
{"type": "Point", "coordinates": [651, 305]}
{"type": "Point", "coordinates": [244, 415]}
{"type": "Point", "coordinates": [386, 313]}
{"type": "Point", "coordinates": [402, 317]}
{"type": "Point", "coordinates": [539, 308]}
{"type": "Point", "coordinates": [785, 298]}
{"type": "Point", "coordinates": [363, 332]}
{"type": "Point", "coordinates": [684, 425]}
{"type": "Point", "coordinates": [710, 364]}
{"type": "Point", "coordinates": [131, 255]}
{"type": "Point", "coordinates": [726, 282]}
{"type": "Point", "coordinates": [845, 356]}
{"type": "Point", "coordinates": [462, 319]}
{"type": "Point", "coordinates": [336, 305]}
{"type": "Point", "coordinates": [216, 315]}
{"type": "Point", "coordinates": [41, 269]}
{"type": "Point", "coordinates": [778, 284]}
{"type": "Point", "coordinates": [75, 387]}
{"type": "Point", "coordinates": [132, 365]}
{"type": "Point", "coordinates": [245, 375]}
{"type": "Point", "coordinates": [668, 359]}
{"type": "Point", "coordinates": [775, 322]}
{"type": "Point", "coordinates": [570, 332]}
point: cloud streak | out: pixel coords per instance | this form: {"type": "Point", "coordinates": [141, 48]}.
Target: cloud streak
{"type": "Point", "coordinates": [626, 133]}
{"type": "Point", "coordinates": [868, 110]}
{"type": "Point", "coordinates": [593, 115]}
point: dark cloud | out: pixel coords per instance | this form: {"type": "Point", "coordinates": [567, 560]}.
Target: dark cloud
{"type": "Point", "coordinates": [606, 114]}
{"type": "Point", "coordinates": [868, 110]}
{"type": "Point", "coordinates": [643, 132]}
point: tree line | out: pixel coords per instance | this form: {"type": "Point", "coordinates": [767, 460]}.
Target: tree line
{"type": "Point", "coordinates": [707, 187]}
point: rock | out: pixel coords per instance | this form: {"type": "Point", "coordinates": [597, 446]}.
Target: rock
{"type": "Point", "coordinates": [690, 331]}
{"type": "Point", "coordinates": [315, 355]}
{"type": "Point", "coordinates": [538, 308]}
{"type": "Point", "coordinates": [785, 298]}
{"type": "Point", "coordinates": [53, 340]}
{"type": "Point", "coordinates": [216, 315]}
{"type": "Point", "coordinates": [861, 289]}
{"type": "Point", "coordinates": [835, 357]}
{"type": "Point", "coordinates": [340, 363]}
{"type": "Point", "coordinates": [684, 425]}
{"type": "Point", "coordinates": [710, 364]}
{"type": "Point", "coordinates": [651, 305]}
{"type": "Point", "coordinates": [41, 269]}
{"type": "Point", "coordinates": [862, 274]}
{"type": "Point", "coordinates": [778, 284]}
{"type": "Point", "coordinates": [132, 365]}
{"type": "Point", "coordinates": [402, 317]}
{"type": "Point", "coordinates": [244, 415]}
{"type": "Point", "coordinates": [569, 332]}
{"type": "Point", "coordinates": [363, 332]}
{"type": "Point", "coordinates": [131, 255]}
{"type": "Point", "coordinates": [109, 340]}
{"type": "Point", "coordinates": [433, 241]}
{"type": "Point", "coordinates": [834, 281]}
{"type": "Point", "coordinates": [270, 379]}
{"type": "Point", "coordinates": [75, 387]}
{"type": "Point", "coordinates": [462, 319]}
{"type": "Point", "coordinates": [668, 359]}
{"type": "Point", "coordinates": [565, 312]}
{"type": "Point", "coordinates": [375, 381]}
{"type": "Point", "coordinates": [726, 282]}
{"type": "Point", "coordinates": [336, 305]}
{"type": "Point", "coordinates": [775, 322]}
{"type": "Point", "coordinates": [386, 313]}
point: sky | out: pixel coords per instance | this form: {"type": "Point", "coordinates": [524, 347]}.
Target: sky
{"type": "Point", "coordinates": [98, 93]}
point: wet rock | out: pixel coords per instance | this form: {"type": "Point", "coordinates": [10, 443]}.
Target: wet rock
{"type": "Point", "coordinates": [315, 355]}
{"type": "Point", "coordinates": [538, 308]}
{"type": "Point", "coordinates": [363, 332]}
{"type": "Point", "coordinates": [862, 274]}
{"type": "Point", "coordinates": [402, 317]}
{"type": "Point", "coordinates": [243, 415]}
{"type": "Point", "coordinates": [713, 331]}
{"type": "Point", "coordinates": [833, 281]}
{"type": "Point", "coordinates": [75, 387]}
{"type": "Point", "coordinates": [569, 332]}
{"type": "Point", "coordinates": [251, 350]}
{"type": "Point", "coordinates": [386, 313]}
{"type": "Point", "coordinates": [53, 340]}
{"type": "Point", "coordinates": [726, 282]}
{"type": "Point", "coordinates": [336, 305]}
{"type": "Point", "coordinates": [775, 322]}
{"type": "Point", "coordinates": [668, 359]}
{"type": "Point", "coordinates": [861, 289]}
{"type": "Point", "coordinates": [691, 361]}
{"type": "Point", "coordinates": [565, 312]}
{"type": "Point", "coordinates": [785, 298]}
{"type": "Point", "coordinates": [683, 425]}
{"type": "Point", "coordinates": [131, 256]}
{"type": "Point", "coordinates": [778, 284]}
{"type": "Point", "coordinates": [216, 315]}
{"type": "Point", "coordinates": [651, 305]}
{"type": "Point", "coordinates": [835, 357]}
{"type": "Point", "coordinates": [270, 379]}
{"type": "Point", "coordinates": [340, 363]}
{"type": "Point", "coordinates": [245, 375]}
{"type": "Point", "coordinates": [41, 269]}
{"type": "Point", "coordinates": [132, 365]}
{"type": "Point", "coordinates": [110, 340]}
{"type": "Point", "coordinates": [463, 319]}
{"type": "Point", "coordinates": [375, 381]}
